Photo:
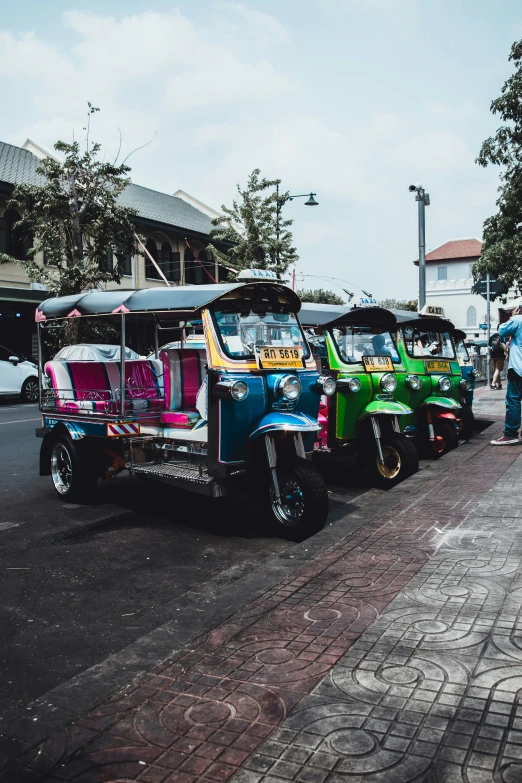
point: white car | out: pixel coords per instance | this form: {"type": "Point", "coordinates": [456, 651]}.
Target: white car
{"type": "Point", "coordinates": [18, 376]}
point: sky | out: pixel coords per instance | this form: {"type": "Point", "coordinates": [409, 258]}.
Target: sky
{"type": "Point", "coordinates": [351, 99]}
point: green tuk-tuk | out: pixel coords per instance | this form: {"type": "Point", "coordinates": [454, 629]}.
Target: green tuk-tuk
{"type": "Point", "coordinates": [355, 347]}
{"type": "Point", "coordinates": [432, 385]}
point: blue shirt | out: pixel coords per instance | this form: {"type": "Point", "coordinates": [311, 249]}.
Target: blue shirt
{"type": "Point", "coordinates": [513, 329]}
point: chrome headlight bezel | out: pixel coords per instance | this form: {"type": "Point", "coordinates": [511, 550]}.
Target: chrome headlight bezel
{"type": "Point", "coordinates": [239, 391]}
{"type": "Point", "coordinates": [328, 385]}
{"type": "Point", "coordinates": [444, 384]}
{"type": "Point", "coordinates": [414, 382]}
{"type": "Point", "coordinates": [388, 382]}
{"type": "Point", "coordinates": [284, 390]}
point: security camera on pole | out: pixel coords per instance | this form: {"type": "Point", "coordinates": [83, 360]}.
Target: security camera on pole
{"type": "Point", "coordinates": [424, 201]}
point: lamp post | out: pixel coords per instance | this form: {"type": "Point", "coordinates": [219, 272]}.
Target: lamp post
{"type": "Point", "coordinates": [423, 200]}
{"type": "Point", "coordinates": [281, 201]}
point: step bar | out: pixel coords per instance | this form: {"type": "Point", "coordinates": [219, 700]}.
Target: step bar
{"type": "Point", "coordinates": [181, 475]}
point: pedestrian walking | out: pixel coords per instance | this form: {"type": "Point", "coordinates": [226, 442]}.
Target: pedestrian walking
{"type": "Point", "coordinates": [512, 329]}
{"type": "Point", "coordinates": [497, 353]}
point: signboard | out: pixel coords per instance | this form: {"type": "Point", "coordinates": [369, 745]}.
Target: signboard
{"type": "Point", "coordinates": [378, 364]}
{"type": "Point", "coordinates": [433, 310]}
{"type": "Point", "coordinates": [257, 274]}
{"type": "Point", "coordinates": [272, 357]}
{"type": "Point", "coordinates": [495, 288]}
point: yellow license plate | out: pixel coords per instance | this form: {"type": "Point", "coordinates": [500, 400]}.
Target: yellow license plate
{"type": "Point", "coordinates": [378, 363]}
{"type": "Point", "coordinates": [276, 358]}
{"type": "Point", "coordinates": [437, 366]}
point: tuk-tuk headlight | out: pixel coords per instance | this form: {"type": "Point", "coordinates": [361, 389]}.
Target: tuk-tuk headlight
{"type": "Point", "coordinates": [354, 384]}
{"type": "Point", "coordinates": [444, 384]}
{"type": "Point", "coordinates": [326, 385]}
{"type": "Point", "coordinates": [289, 387]}
{"type": "Point", "coordinates": [473, 372]}
{"type": "Point", "coordinates": [239, 390]}
{"type": "Point", "coordinates": [414, 382]}
{"type": "Point", "coordinates": [388, 382]}
{"type": "Point", "coordinates": [465, 384]}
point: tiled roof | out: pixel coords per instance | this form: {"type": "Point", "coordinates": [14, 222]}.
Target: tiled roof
{"type": "Point", "coordinates": [18, 166]}
{"type": "Point", "coordinates": [456, 248]}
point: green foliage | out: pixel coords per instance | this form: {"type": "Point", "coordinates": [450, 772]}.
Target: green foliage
{"type": "Point", "coordinates": [75, 218]}
{"type": "Point", "coordinates": [321, 296]}
{"type": "Point", "coordinates": [502, 249]}
{"type": "Point", "coordinates": [250, 228]}
{"type": "Point", "coordinates": [400, 304]}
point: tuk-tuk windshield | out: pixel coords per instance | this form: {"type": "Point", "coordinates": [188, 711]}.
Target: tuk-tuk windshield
{"type": "Point", "coordinates": [462, 351]}
{"type": "Point", "coordinates": [421, 343]}
{"type": "Point", "coordinates": [241, 332]}
{"type": "Point", "coordinates": [354, 342]}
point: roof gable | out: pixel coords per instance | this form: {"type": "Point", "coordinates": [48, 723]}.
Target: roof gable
{"type": "Point", "coordinates": [455, 249]}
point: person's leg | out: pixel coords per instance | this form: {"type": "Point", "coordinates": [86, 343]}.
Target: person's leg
{"type": "Point", "coordinates": [513, 414]}
{"type": "Point", "coordinates": [496, 374]}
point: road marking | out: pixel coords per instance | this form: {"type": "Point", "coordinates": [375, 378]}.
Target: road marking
{"type": "Point", "coordinates": [19, 421]}
{"type": "Point", "coordinates": [7, 525]}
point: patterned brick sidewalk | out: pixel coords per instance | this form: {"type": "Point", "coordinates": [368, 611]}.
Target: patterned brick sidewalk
{"type": "Point", "coordinates": [202, 715]}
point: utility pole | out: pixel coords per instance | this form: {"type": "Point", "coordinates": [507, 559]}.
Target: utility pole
{"type": "Point", "coordinates": [423, 200]}
{"type": "Point", "coordinates": [488, 317]}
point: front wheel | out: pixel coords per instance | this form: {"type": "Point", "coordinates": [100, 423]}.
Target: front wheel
{"type": "Point", "coordinates": [302, 507]}
{"type": "Point", "coordinates": [30, 390]}
{"type": "Point", "coordinates": [72, 470]}
{"type": "Point", "coordinates": [400, 461]}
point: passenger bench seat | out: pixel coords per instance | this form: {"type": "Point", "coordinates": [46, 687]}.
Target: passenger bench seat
{"type": "Point", "coordinates": [184, 372]}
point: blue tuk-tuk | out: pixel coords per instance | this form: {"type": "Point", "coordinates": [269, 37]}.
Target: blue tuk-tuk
{"type": "Point", "coordinates": [239, 415]}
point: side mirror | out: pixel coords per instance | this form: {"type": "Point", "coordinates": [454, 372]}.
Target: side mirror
{"type": "Point", "coordinates": [14, 359]}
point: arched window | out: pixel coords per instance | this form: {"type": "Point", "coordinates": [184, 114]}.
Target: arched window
{"type": "Point", "coordinates": [11, 241]}
{"type": "Point", "coordinates": [150, 270]}
{"type": "Point", "coordinates": [190, 264]}
{"type": "Point", "coordinates": [169, 263]}
{"type": "Point", "coordinates": [471, 316]}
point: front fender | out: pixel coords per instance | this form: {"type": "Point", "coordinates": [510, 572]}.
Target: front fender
{"type": "Point", "coordinates": [385, 407]}
{"type": "Point", "coordinates": [285, 422]}
{"type": "Point", "coordinates": [441, 402]}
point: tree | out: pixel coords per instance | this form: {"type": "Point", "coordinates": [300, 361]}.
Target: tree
{"type": "Point", "coordinates": [321, 296]}
{"type": "Point", "coordinates": [501, 253]}
{"type": "Point", "coordinates": [399, 304]}
{"type": "Point", "coordinates": [74, 217]}
{"type": "Point", "coordinates": [250, 230]}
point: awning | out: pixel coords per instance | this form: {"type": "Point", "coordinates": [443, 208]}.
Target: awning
{"type": "Point", "coordinates": [22, 295]}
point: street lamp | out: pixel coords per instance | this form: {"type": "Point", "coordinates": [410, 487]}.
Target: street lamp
{"type": "Point", "coordinates": [423, 199]}
{"type": "Point", "coordinates": [281, 201]}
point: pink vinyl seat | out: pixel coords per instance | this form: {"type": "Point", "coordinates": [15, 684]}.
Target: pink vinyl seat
{"type": "Point", "coordinates": [95, 386]}
{"type": "Point", "coordinates": [184, 373]}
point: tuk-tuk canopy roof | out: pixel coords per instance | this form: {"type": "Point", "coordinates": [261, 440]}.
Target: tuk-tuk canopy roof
{"type": "Point", "coordinates": [174, 299]}
{"type": "Point", "coordinates": [327, 315]}
{"type": "Point", "coordinates": [431, 323]}
{"type": "Point", "coordinates": [458, 334]}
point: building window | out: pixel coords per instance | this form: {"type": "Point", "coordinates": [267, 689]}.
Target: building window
{"type": "Point", "coordinates": [442, 272]}
{"type": "Point", "coordinates": [11, 241]}
{"type": "Point", "coordinates": [190, 262]}
{"type": "Point", "coordinates": [127, 266]}
{"type": "Point", "coordinates": [471, 316]}
{"type": "Point", "coordinates": [150, 270]}
{"type": "Point", "coordinates": [169, 263]}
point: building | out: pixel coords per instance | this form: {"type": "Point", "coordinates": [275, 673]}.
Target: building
{"type": "Point", "coordinates": [449, 280]}
{"type": "Point", "coordinates": [167, 223]}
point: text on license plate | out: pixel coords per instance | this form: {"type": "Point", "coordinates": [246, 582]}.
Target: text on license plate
{"type": "Point", "coordinates": [378, 363]}
{"type": "Point", "coordinates": [273, 357]}
{"type": "Point", "coordinates": [437, 366]}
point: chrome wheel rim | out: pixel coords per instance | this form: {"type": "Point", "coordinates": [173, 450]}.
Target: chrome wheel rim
{"type": "Point", "coordinates": [392, 463]}
{"type": "Point", "coordinates": [290, 507]}
{"type": "Point", "coordinates": [61, 468]}
{"type": "Point", "coordinates": [31, 391]}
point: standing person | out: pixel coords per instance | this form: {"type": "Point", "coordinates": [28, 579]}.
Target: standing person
{"type": "Point", "coordinates": [498, 357]}
{"type": "Point", "coordinates": [513, 329]}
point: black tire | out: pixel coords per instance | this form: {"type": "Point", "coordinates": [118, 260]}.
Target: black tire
{"type": "Point", "coordinates": [29, 391]}
{"type": "Point", "coordinates": [73, 470]}
{"type": "Point", "coordinates": [308, 511]}
{"type": "Point", "coordinates": [401, 460]}
{"type": "Point", "coordinates": [446, 438]}
{"type": "Point", "coordinates": [467, 422]}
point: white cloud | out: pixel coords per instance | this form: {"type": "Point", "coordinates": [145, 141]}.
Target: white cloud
{"type": "Point", "coordinates": [436, 150]}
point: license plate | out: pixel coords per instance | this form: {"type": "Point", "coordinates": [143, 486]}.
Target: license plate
{"type": "Point", "coordinates": [378, 363]}
{"type": "Point", "coordinates": [276, 358]}
{"type": "Point", "coordinates": [437, 366]}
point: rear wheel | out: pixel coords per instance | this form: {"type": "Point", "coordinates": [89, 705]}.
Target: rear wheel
{"type": "Point", "coordinates": [73, 470]}
{"type": "Point", "coordinates": [467, 422]}
{"type": "Point", "coordinates": [400, 461]}
{"type": "Point", "coordinates": [302, 507]}
{"type": "Point", "coordinates": [29, 391]}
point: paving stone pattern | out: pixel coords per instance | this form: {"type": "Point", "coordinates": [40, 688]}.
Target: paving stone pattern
{"type": "Point", "coordinates": [397, 689]}
{"type": "Point", "coordinates": [490, 404]}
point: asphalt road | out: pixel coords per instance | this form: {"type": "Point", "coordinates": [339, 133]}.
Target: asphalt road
{"type": "Point", "coordinates": [79, 583]}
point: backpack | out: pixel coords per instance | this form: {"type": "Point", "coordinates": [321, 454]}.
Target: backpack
{"type": "Point", "coordinates": [497, 351]}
